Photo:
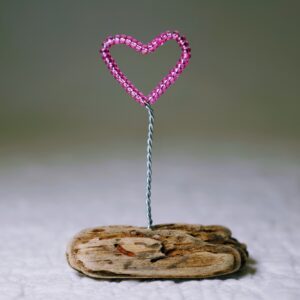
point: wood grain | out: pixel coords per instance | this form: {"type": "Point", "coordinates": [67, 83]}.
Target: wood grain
{"type": "Point", "coordinates": [166, 251]}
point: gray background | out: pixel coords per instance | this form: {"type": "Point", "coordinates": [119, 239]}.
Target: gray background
{"type": "Point", "coordinates": [242, 82]}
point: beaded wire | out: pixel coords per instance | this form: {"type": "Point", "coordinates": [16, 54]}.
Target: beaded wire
{"type": "Point", "coordinates": [158, 41]}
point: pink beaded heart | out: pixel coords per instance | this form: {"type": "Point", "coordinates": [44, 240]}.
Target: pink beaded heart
{"type": "Point", "coordinates": [158, 41]}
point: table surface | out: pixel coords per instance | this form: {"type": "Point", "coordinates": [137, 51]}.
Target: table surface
{"type": "Point", "coordinates": [46, 198]}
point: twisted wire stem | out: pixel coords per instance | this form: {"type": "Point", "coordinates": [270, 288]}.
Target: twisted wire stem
{"type": "Point", "coordinates": [149, 163]}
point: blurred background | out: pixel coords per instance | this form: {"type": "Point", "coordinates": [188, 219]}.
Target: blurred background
{"type": "Point", "coordinates": [62, 112]}
{"type": "Point", "coordinates": [242, 83]}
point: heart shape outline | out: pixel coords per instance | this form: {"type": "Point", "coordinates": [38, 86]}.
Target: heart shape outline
{"type": "Point", "coordinates": [151, 47]}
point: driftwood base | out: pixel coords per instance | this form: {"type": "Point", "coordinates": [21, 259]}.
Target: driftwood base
{"type": "Point", "coordinates": [166, 251]}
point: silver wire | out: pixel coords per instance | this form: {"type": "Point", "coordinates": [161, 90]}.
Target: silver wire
{"type": "Point", "coordinates": [149, 163]}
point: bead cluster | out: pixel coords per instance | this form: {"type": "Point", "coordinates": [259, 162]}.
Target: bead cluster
{"type": "Point", "coordinates": [158, 41]}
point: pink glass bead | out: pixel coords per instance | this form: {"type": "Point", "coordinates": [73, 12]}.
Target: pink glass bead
{"type": "Point", "coordinates": [158, 41]}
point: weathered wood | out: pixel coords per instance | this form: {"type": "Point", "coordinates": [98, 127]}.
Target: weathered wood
{"type": "Point", "coordinates": [166, 251]}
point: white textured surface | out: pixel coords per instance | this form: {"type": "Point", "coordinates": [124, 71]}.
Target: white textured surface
{"type": "Point", "coordinates": [44, 202]}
